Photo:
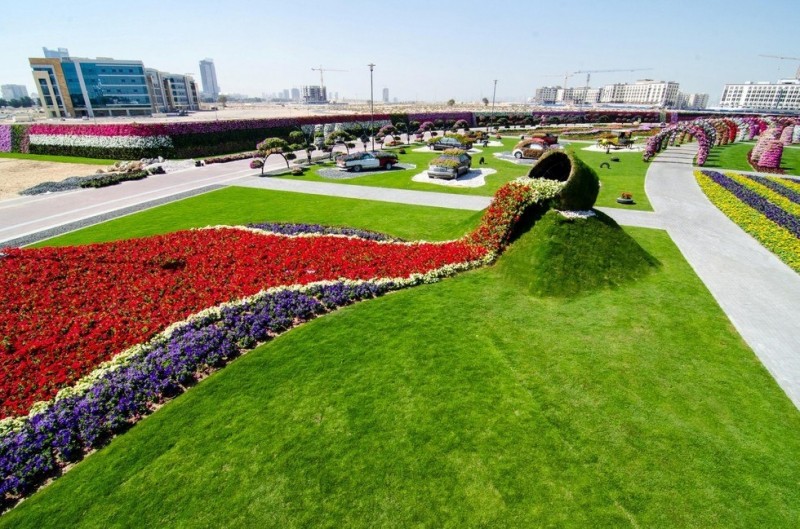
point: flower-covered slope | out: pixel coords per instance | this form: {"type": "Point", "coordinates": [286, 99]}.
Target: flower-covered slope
{"type": "Point", "coordinates": [101, 334]}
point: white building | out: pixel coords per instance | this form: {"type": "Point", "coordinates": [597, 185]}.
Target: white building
{"type": "Point", "coordinates": [578, 96]}
{"type": "Point", "coordinates": [385, 95]}
{"type": "Point", "coordinates": [13, 91]}
{"type": "Point", "coordinates": [546, 95]}
{"type": "Point", "coordinates": [315, 94]}
{"type": "Point", "coordinates": [60, 53]}
{"type": "Point", "coordinates": [208, 76]}
{"type": "Point", "coordinates": [783, 95]}
{"type": "Point", "coordinates": [693, 101]}
{"type": "Point", "coordinates": [642, 92]}
{"type": "Point", "coordinates": [170, 91]}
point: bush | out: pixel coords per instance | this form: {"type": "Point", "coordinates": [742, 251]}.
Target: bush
{"type": "Point", "coordinates": [230, 157]}
{"type": "Point", "coordinates": [256, 164]}
{"type": "Point", "coordinates": [110, 179]}
{"type": "Point", "coordinates": [582, 184]}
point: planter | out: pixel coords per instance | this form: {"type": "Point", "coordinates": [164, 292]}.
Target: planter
{"type": "Point", "coordinates": [625, 200]}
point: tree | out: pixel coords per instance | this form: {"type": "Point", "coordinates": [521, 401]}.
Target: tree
{"type": "Point", "coordinates": [274, 146]}
{"type": "Point", "coordinates": [451, 102]}
{"type": "Point", "coordinates": [485, 101]}
{"type": "Point", "coordinates": [3, 103]}
{"type": "Point", "coordinates": [15, 103]}
{"type": "Point", "coordinates": [223, 100]}
{"type": "Point", "coordinates": [27, 102]}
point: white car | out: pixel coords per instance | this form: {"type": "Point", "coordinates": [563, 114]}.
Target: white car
{"type": "Point", "coordinates": [366, 160]}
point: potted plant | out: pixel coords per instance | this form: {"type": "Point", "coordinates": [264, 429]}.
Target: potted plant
{"type": "Point", "coordinates": [625, 198]}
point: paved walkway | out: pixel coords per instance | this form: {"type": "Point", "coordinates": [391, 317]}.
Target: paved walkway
{"type": "Point", "coordinates": [759, 293]}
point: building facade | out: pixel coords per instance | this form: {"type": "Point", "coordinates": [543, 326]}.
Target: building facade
{"type": "Point", "coordinates": [315, 94]}
{"type": "Point", "coordinates": [546, 95]}
{"type": "Point", "coordinates": [208, 76]}
{"type": "Point", "coordinates": [694, 101]}
{"type": "Point", "coordinates": [76, 87]}
{"type": "Point", "coordinates": [385, 95]}
{"type": "Point", "coordinates": [13, 91]}
{"type": "Point", "coordinates": [783, 95]}
{"type": "Point", "coordinates": [642, 92]}
{"type": "Point", "coordinates": [296, 94]}
{"type": "Point", "coordinates": [171, 92]}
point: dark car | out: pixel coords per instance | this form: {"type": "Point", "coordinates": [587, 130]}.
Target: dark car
{"type": "Point", "coordinates": [450, 165]}
{"type": "Point", "coordinates": [450, 143]}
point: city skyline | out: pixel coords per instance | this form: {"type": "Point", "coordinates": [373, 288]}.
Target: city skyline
{"type": "Point", "coordinates": [699, 46]}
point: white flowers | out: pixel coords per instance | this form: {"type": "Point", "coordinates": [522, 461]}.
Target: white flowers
{"type": "Point", "coordinates": [104, 142]}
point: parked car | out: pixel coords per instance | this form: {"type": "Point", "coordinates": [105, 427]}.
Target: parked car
{"type": "Point", "coordinates": [547, 137]}
{"type": "Point", "coordinates": [450, 166]}
{"type": "Point", "coordinates": [358, 161]}
{"type": "Point", "coordinates": [449, 142]}
{"type": "Point", "coordinates": [533, 149]}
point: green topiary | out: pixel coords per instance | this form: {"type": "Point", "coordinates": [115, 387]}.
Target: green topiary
{"type": "Point", "coordinates": [580, 192]}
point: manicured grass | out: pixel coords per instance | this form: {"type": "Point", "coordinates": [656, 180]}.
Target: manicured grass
{"type": "Point", "coordinates": [734, 157]}
{"type": "Point", "coordinates": [240, 205]}
{"type": "Point", "coordinates": [467, 403]}
{"type": "Point", "coordinates": [53, 158]}
{"type": "Point", "coordinates": [627, 175]}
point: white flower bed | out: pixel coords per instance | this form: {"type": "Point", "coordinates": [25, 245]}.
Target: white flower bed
{"type": "Point", "coordinates": [105, 142]}
{"type": "Point", "coordinates": [585, 214]}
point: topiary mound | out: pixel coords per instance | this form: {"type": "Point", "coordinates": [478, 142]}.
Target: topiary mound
{"type": "Point", "coordinates": [563, 257]}
{"type": "Point", "coordinates": [582, 186]}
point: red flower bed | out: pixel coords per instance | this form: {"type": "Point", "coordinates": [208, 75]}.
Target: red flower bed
{"type": "Point", "coordinates": [63, 311]}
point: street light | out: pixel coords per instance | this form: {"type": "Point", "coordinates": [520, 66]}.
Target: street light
{"type": "Point", "coordinates": [491, 117]}
{"type": "Point", "coordinates": [371, 108]}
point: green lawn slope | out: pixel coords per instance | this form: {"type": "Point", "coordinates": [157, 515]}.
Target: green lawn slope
{"type": "Point", "coordinates": [466, 403]}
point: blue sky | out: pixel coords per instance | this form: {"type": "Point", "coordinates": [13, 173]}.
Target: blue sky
{"type": "Point", "coordinates": [426, 50]}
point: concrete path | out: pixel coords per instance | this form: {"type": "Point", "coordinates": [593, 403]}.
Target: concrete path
{"type": "Point", "coordinates": [759, 293]}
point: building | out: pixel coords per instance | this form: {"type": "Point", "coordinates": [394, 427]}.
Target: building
{"type": "Point", "coordinates": [208, 76]}
{"type": "Point", "coordinates": [385, 95]}
{"type": "Point", "coordinates": [60, 53]}
{"type": "Point", "coordinates": [75, 87]}
{"type": "Point", "coordinates": [642, 92]}
{"type": "Point", "coordinates": [171, 92]}
{"type": "Point", "coordinates": [315, 94]}
{"type": "Point", "coordinates": [546, 95]}
{"type": "Point", "coordinates": [578, 96]}
{"type": "Point", "coordinates": [692, 101]}
{"type": "Point", "coordinates": [296, 94]}
{"type": "Point", "coordinates": [783, 95]}
{"type": "Point", "coordinates": [13, 91]}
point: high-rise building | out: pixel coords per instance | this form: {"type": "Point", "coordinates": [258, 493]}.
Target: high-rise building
{"type": "Point", "coordinates": [13, 91]}
{"type": "Point", "coordinates": [295, 94]}
{"type": "Point", "coordinates": [75, 87]}
{"type": "Point", "coordinates": [208, 76]}
{"type": "Point", "coordinates": [642, 92]}
{"type": "Point", "coordinates": [60, 53]}
{"type": "Point", "coordinates": [546, 95]}
{"type": "Point", "coordinates": [315, 94]}
{"type": "Point", "coordinates": [385, 95]}
{"type": "Point", "coordinates": [692, 101]}
{"type": "Point", "coordinates": [170, 91]}
{"type": "Point", "coordinates": [783, 95]}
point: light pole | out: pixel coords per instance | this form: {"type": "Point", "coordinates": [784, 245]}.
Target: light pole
{"type": "Point", "coordinates": [491, 118]}
{"type": "Point", "coordinates": [371, 108]}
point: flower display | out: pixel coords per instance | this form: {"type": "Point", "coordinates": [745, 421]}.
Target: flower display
{"type": "Point", "coordinates": [102, 141]}
{"type": "Point", "coordinates": [5, 138]}
{"type": "Point", "coordinates": [750, 211]}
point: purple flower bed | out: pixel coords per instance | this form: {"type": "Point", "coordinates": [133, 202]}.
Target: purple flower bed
{"type": "Point", "coordinates": [298, 229]}
{"type": "Point", "coordinates": [757, 202]}
{"type": "Point", "coordinates": [65, 430]}
{"type": "Point", "coordinates": [792, 195]}
{"type": "Point", "coordinates": [5, 138]}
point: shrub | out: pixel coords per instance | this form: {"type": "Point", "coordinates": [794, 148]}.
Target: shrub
{"type": "Point", "coordinates": [110, 179]}
{"type": "Point", "coordinates": [256, 164]}
{"type": "Point", "coordinates": [230, 157]}
{"type": "Point", "coordinates": [582, 185]}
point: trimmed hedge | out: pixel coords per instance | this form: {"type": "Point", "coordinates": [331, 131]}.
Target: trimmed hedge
{"type": "Point", "coordinates": [582, 184]}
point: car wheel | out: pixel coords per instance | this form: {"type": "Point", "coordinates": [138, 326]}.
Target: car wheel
{"type": "Point", "coordinates": [389, 166]}
{"type": "Point", "coordinates": [517, 155]}
{"type": "Point", "coordinates": [356, 168]}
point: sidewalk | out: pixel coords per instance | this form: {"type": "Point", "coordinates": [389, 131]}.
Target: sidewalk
{"type": "Point", "coordinates": [758, 292]}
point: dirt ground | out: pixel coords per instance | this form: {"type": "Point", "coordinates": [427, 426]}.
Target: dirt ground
{"type": "Point", "coordinates": [16, 175]}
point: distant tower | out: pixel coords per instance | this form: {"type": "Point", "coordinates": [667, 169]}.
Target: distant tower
{"type": "Point", "coordinates": [60, 53]}
{"type": "Point", "coordinates": [385, 95]}
{"type": "Point", "coordinates": [208, 76]}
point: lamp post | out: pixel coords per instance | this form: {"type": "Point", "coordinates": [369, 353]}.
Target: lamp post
{"type": "Point", "coordinates": [371, 108]}
{"type": "Point", "coordinates": [491, 118]}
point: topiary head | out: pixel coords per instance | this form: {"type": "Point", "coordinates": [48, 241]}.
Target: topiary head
{"type": "Point", "coordinates": [582, 185]}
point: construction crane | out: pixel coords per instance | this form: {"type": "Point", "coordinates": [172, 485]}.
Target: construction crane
{"type": "Point", "coordinates": [566, 76]}
{"type": "Point", "coordinates": [797, 75]}
{"type": "Point", "coordinates": [590, 72]}
{"type": "Point", "coordinates": [321, 70]}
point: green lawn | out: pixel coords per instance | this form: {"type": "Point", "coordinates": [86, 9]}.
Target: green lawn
{"type": "Point", "coordinates": [627, 175]}
{"type": "Point", "coordinates": [240, 205]}
{"type": "Point", "coordinates": [53, 158]}
{"type": "Point", "coordinates": [734, 157]}
{"type": "Point", "coordinates": [467, 403]}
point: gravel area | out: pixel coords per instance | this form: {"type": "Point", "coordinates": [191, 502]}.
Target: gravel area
{"type": "Point", "coordinates": [16, 175]}
{"type": "Point", "coordinates": [337, 174]}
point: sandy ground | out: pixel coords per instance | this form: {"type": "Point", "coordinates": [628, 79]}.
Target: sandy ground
{"type": "Point", "coordinates": [16, 175]}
